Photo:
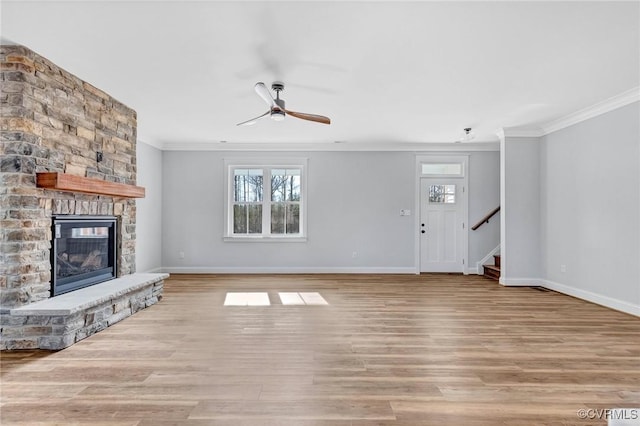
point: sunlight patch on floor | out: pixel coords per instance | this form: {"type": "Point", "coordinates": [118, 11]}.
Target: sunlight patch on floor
{"type": "Point", "coordinates": [305, 298]}
{"type": "Point", "coordinates": [262, 299]}
{"type": "Point", "coordinates": [247, 299]}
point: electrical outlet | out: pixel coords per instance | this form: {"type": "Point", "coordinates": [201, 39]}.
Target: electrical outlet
{"type": "Point", "coordinates": [354, 254]}
{"type": "Point", "coordinates": [405, 212]}
{"type": "Point", "coordinates": [181, 255]}
{"type": "Point", "coordinates": [563, 268]}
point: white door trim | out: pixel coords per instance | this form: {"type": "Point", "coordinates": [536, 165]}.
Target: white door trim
{"type": "Point", "coordinates": [441, 158]}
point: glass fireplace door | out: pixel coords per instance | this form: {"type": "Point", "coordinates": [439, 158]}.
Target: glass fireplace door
{"type": "Point", "coordinates": [83, 252]}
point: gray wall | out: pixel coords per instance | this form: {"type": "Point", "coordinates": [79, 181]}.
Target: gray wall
{"type": "Point", "coordinates": [520, 220]}
{"type": "Point", "coordinates": [590, 209]}
{"type": "Point", "coordinates": [149, 209]}
{"type": "Point", "coordinates": [354, 203]}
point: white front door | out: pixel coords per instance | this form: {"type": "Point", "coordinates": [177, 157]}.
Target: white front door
{"type": "Point", "coordinates": [442, 224]}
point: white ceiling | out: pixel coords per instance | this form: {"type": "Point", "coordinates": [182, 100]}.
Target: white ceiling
{"type": "Point", "coordinates": [385, 72]}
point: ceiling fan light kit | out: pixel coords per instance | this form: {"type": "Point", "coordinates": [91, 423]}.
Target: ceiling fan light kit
{"type": "Point", "coordinates": [277, 110]}
{"type": "Point", "coordinates": [467, 135]}
{"type": "Point", "coordinates": [277, 115]}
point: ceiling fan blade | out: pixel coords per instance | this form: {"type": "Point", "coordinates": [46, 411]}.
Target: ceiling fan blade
{"type": "Point", "coordinates": [311, 117]}
{"type": "Point", "coordinates": [264, 93]}
{"type": "Point", "coordinates": [253, 120]}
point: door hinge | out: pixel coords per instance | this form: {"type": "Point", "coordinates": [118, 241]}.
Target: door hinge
{"type": "Point", "coordinates": [462, 225]}
{"type": "Point", "coordinates": [463, 261]}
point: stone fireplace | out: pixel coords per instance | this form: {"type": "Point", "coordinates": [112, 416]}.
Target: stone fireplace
{"type": "Point", "coordinates": [52, 121]}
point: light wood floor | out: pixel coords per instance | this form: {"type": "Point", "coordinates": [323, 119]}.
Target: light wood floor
{"type": "Point", "coordinates": [388, 350]}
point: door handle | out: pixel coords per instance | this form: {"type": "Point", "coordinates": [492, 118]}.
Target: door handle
{"type": "Point", "coordinates": [423, 231]}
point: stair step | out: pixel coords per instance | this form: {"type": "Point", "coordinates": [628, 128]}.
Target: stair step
{"type": "Point", "coordinates": [491, 271]}
{"type": "Point", "coordinates": [496, 260]}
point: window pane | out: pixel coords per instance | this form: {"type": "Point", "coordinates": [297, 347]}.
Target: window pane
{"type": "Point", "coordinates": [278, 184]}
{"type": "Point", "coordinates": [445, 194]}
{"type": "Point", "coordinates": [285, 218]}
{"type": "Point", "coordinates": [285, 185]}
{"type": "Point", "coordinates": [293, 190]}
{"type": "Point", "coordinates": [248, 185]}
{"type": "Point", "coordinates": [255, 218]}
{"type": "Point", "coordinates": [277, 218]}
{"type": "Point", "coordinates": [293, 218]}
{"type": "Point", "coordinates": [239, 219]}
{"type": "Point", "coordinates": [247, 219]}
{"type": "Point", "coordinates": [451, 169]}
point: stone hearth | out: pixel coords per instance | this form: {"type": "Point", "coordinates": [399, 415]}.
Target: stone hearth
{"type": "Point", "coordinates": [61, 321]}
{"type": "Point", "coordinates": [52, 121]}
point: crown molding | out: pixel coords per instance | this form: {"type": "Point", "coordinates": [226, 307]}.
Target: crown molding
{"type": "Point", "coordinates": [613, 103]}
{"type": "Point", "coordinates": [330, 146]}
{"type": "Point", "coordinates": [519, 132]}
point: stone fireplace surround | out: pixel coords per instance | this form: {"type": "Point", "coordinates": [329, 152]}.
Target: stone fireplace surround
{"type": "Point", "coordinates": [51, 121]}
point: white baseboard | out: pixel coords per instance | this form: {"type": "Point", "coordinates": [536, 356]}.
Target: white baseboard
{"type": "Point", "coordinates": [599, 299]}
{"type": "Point", "coordinates": [608, 302]}
{"type": "Point", "coordinates": [289, 270]}
{"type": "Point", "coordinates": [472, 271]}
{"type": "Point", "coordinates": [520, 282]}
{"type": "Point", "coordinates": [485, 260]}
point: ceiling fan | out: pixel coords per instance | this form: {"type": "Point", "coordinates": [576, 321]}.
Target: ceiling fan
{"type": "Point", "coordinates": [277, 111]}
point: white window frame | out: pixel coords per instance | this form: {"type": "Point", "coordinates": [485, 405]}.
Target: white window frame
{"type": "Point", "coordinates": [267, 164]}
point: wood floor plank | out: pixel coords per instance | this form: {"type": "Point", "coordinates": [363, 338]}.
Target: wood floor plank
{"type": "Point", "coordinates": [388, 350]}
{"type": "Point", "coordinates": [246, 422]}
{"type": "Point", "coordinates": [92, 422]}
{"type": "Point", "coordinates": [329, 409]}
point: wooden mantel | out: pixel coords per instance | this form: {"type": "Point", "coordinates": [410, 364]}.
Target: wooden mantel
{"type": "Point", "coordinates": [69, 182]}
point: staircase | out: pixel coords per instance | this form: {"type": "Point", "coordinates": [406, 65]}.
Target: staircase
{"type": "Point", "coordinates": [493, 271]}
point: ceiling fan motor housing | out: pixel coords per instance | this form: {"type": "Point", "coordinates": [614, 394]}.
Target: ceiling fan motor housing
{"type": "Point", "coordinates": [278, 114]}
{"type": "Point", "coordinates": [278, 87]}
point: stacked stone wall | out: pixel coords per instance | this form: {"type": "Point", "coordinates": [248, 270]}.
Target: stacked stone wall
{"type": "Point", "coordinates": [52, 121]}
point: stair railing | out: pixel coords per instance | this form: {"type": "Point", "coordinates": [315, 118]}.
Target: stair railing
{"type": "Point", "coordinates": [486, 218]}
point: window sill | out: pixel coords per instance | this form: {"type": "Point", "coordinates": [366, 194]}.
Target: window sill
{"type": "Point", "coordinates": [261, 239]}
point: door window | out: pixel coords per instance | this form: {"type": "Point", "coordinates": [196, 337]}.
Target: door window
{"type": "Point", "coordinates": [442, 194]}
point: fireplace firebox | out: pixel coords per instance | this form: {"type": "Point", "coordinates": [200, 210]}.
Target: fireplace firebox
{"type": "Point", "coordinates": [83, 252]}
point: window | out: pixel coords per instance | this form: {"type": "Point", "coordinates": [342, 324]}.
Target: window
{"type": "Point", "coordinates": [247, 201]}
{"type": "Point", "coordinates": [442, 169]}
{"type": "Point", "coordinates": [266, 202]}
{"type": "Point", "coordinates": [285, 201]}
{"type": "Point", "coordinates": [442, 194]}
